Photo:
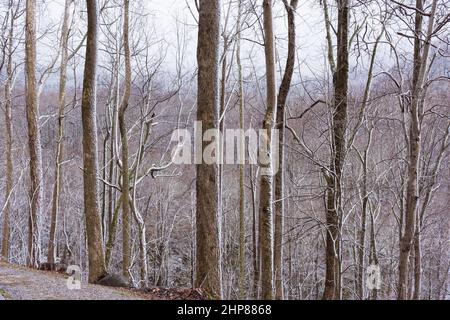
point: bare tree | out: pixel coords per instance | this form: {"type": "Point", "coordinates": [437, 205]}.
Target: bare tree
{"type": "Point", "coordinates": [34, 138]}
{"type": "Point", "coordinates": [126, 217]}
{"type": "Point", "coordinates": [266, 189]}
{"type": "Point", "coordinates": [281, 121]}
{"type": "Point", "coordinates": [420, 69]}
{"type": "Point", "coordinates": [51, 255]}
{"type": "Point", "coordinates": [97, 267]}
{"type": "Point", "coordinates": [338, 145]}
{"type": "Point", "coordinates": [208, 269]}
{"type": "Point", "coordinates": [13, 14]}
{"type": "Point", "coordinates": [242, 165]}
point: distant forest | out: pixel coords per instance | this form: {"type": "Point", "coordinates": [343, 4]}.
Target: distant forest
{"type": "Point", "coordinates": [221, 156]}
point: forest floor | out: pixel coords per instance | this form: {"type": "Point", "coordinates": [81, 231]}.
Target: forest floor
{"type": "Point", "coordinates": [21, 283]}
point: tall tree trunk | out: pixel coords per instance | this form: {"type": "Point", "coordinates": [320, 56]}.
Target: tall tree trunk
{"type": "Point", "coordinates": [364, 195]}
{"type": "Point", "coordinates": [97, 267]}
{"type": "Point", "coordinates": [412, 196]}
{"type": "Point", "coordinates": [9, 142]}
{"type": "Point", "coordinates": [242, 259]}
{"type": "Point", "coordinates": [126, 218]}
{"type": "Point", "coordinates": [113, 205]}
{"type": "Point", "coordinates": [34, 138]}
{"type": "Point", "coordinates": [334, 190]}
{"type": "Point", "coordinates": [208, 264]}
{"type": "Point", "coordinates": [281, 119]}
{"type": "Point", "coordinates": [266, 190]}
{"type": "Point", "coordinates": [51, 254]}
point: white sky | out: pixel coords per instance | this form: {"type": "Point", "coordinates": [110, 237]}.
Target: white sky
{"type": "Point", "coordinates": [164, 14]}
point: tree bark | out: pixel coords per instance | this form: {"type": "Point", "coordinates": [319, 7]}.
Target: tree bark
{"type": "Point", "coordinates": [208, 260]}
{"type": "Point", "coordinates": [242, 259]}
{"type": "Point", "coordinates": [281, 120]}
{"type": "Point", "coordinates": [266, 190]}
{"type": "Point", "coordinates": [9, 143]}
{"type": "Point", "coordinates": [255, 235]}
{"type": "Point", "coordinates": [334, 191]}
{"type": "Point", "coordinates": [421, 216]}
{"type": "Point", "coordinates": [126, 217]}
{"type": "Point", "coordinates": [412, 196]}
{"type": "Point", "coordinates": [373, 252]}
{"type": "Point", "coordinates": [97, 267]}
{"type": "Point", "coordinates": [34, 138]}
{"type": "Point", "coordinates": [51, 254]}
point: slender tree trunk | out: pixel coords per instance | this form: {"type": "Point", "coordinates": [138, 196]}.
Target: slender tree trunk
{"type": "Point", "coordinates": [362, 232]}
{"type": "Point", "coordinates": [255, 238]}
{"type": "Point", "coordinates": [112, 232]}
{"type": "Point", "coordinates": [97, 267]}
{"type": "Point", "coordinates": [242, 293]}
{"type": "Point", "coordinates": [34, 138]}
{"type": "Point", "coordinates": [426, 201]}
{"type": "Point", "coordinates": [104, 187]}
{"type": "Point", "coordinates": [138, 217]}
{"type": "Point", "coordinates": [51, 254]}
{"type": "Point", "coordinates": [417, 264]}
{"type": "Point", "coordinates": [9, 142]}
{"type": "Point", "coordinates": [208, 265]}
{"type": "Point", "coordinates": [279, 177]}
{"type": "Point", "coordinates": [334, 192]}
{"type": "Point", "coordinates": [222, 102]}
{"type": "Point", "coordinates": [373, 252]}
{"type": "Point", "coordinates": [266, 190]}
{"type": "Point", "coordinates": [126, 218]}
{"type": "Point", "coordinates": [364, 195]}
{"type": "Point", "coordinates": [112, 168]}
{"type": "Point", "coordinates": [412, 196]}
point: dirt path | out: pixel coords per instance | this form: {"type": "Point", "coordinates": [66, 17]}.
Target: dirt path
{"type": "Point", "coordinates": [19, 283]}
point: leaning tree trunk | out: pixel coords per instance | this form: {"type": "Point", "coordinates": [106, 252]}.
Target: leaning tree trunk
{"type": "Point", "coordinates": [334, 190]}
{"type": "Point", "coordinates": [208, 264]}
{"type": "Point", "coordinates": [97, 267]}
{"type": "Point", "coordinates": [279, 177]}
{"type": "Point", "coordinates": [51, 255]}
{"type": "Point", "coordinates": [266, 190]}
{"type": "Point", "coordinates": [34, 139]}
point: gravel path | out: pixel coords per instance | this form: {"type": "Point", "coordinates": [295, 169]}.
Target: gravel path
{"type": "Point", "coordinates": [19, 283]}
